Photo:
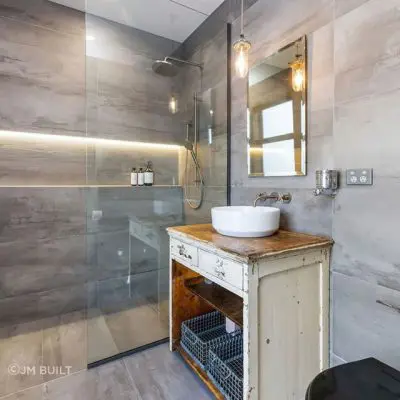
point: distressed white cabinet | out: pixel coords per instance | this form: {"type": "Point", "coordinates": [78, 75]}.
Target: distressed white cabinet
{"type": "Point", "coordinates": [282, 284]}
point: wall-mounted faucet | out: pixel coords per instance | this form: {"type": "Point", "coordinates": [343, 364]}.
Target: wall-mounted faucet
{"type": "Point", "coordinates": [275, 196]}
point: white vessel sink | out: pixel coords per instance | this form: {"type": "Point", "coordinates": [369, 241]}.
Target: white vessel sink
{"type": "Point", "coordinates": [245, 221]}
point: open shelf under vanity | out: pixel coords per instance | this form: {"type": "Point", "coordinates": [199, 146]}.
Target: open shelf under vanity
{"type": "Point", "coordinates": [193, 296]}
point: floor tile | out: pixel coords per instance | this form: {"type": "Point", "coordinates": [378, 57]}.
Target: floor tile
{"type": "Point", "coordinates": [108, 382]}
{"type": "Point", "coordinates": [136, 327]}
{"type": "Point", "coordinates": [34, 393]}
{"type": "Point", "coordinates": [64, 345]}
{"type": "Point", "coordinates": [20, 357]}
{"type": "Point", "coordinates": [160, 374]}
{"type": "Point", "coordinates": [100, 343]}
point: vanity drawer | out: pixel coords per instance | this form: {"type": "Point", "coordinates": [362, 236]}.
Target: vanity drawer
{"type": "Point", "coordinates": [226, 270]}
{"type": "Point", "coordinates": [185, 252]}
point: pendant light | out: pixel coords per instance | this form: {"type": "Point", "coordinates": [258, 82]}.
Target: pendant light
{"type": "Point", "coordinates": [242, 48]}
{"type": "Point", "coordinates": [298, 72]}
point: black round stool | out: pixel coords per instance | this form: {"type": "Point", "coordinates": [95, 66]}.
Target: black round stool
{"type": "Point", "coordinates": [367, 379]}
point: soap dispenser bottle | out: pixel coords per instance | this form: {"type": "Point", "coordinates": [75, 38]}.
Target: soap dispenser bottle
{"type": "Point", "coordinates": [140, 177]}
{"type": "Point", "coordinates": [134, 177]}
{"type": "Point", "coordinates": [149, 175]}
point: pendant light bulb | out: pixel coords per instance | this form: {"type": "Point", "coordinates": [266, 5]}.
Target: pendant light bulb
{"type": "Point", "coordinates": [242, 48]}
{"type": "Point", "coordinates": [173, 105]}
{"type": "Point", "coordinates": [298, 73]}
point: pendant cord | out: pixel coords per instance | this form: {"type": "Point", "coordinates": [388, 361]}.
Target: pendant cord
{"type": "Point", "coordinates": [242, 19]}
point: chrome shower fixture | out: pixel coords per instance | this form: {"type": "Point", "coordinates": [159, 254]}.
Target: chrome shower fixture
{"type": "Point", "coordinates": [168, 67]}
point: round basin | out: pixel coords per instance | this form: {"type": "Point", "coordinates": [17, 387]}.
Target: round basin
{"type": "Point", "coordinates": [245, 221]}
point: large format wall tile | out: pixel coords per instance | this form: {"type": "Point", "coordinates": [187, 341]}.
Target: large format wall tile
{"type": "Point", "coordinates": [41, 213]}
{"type": "Point", "coordinates": [344, 6]}
{"type": "Point", "coordinates": [28, 266]}
{"type": "Point", "coordinates": [306, 213]}
{"type": "Point", "coordinates": [361, 324]}
{"type": "Point", "coordinates": [30, 162]}
{"type": "Point", "coordinates": [36, 306]}
{"type": "Point", "coordinates": [367, 43]}
{"type": "Point", "coordinates": [366, 134]}
{"type": "Point", "coordinates": [365, 229]}
{"type": "Point", "coordinates": [45, 14]}
{"type": "Point", "coordinates": [45, 85]}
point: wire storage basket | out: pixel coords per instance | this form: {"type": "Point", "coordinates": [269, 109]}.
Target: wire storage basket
{"type": "Point", "coordinates": [203, 333]}
{"type": "Point", "coordinates": [225, 368]}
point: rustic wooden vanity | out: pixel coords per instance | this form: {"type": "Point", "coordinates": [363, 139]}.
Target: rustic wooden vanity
{"type": "Point", "coordinates": [276, 288]}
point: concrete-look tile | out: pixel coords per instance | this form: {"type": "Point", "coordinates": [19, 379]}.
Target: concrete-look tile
{"type": "Point", "coordinates": [372, 79]}
{"type": "Point", "coordinates": [306, 213]}
{"type": "Point", "coordinates": [25, 162]}
{"type": "Point", "coordinates": [34, 393]}
{"type": "Point", "coordinates": [321, 92]}
{"type": "Point", "coordinates": [110, 34]}
{"type": "Point", "coordinates": [20, 357]}
{"type": "Point", "coordinates": [321, 122]}
{"type": "Point", "coordinates": [170, 378]}
{"type": "Point", "coordinates": [362, 248]}
{"type": "Point", "coordinates": [285, 24]}
{"type": "Point", "coordinates": [368, 34]}
{"type": "Point", "coordinates": [108, 382]}
{"type": "Point", "coordinates": [41, 213]}
{"type": "Point", "coordinates": [46, 14]}
{"type": "Point", "coordinates": [320, 45]}
{"type": "Point", "coordinates": [370, 125]}
{"type": "Point", "coordinates": [39, 305]}
{"type": "Point", "coordinates": [345, 6]}
{"type": "Point", "coordinates": [64, 345]}
{"type": "Point", "coordinates": [363, 326]}
{"type": "Point", "coordinates": [136, 327]}
{"type": "Point", "coordinates": [35, 266]}
{"type": "Point", "coordinates": [100, 342]}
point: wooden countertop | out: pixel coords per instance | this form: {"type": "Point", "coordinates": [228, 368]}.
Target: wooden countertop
{"type": "Point", "coordinates": [251, 248]}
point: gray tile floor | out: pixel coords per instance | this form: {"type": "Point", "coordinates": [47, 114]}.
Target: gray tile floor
{"type": "Point", "coordinates": [154, 374]}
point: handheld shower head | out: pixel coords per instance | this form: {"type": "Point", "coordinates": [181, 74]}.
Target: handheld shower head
{"type": "Point", "coordinates": [189, 145]}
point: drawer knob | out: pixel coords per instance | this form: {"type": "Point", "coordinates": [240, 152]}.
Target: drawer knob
{"type": "Point", "coordinates": [219, 269]}
{"type": "Point", "coordinates": [183, 252]}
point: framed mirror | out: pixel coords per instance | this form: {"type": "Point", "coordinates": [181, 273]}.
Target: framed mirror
{"type": "Point", "coordinates": [277, 113]}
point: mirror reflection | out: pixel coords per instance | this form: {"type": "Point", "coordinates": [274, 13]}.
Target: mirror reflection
{"type": "Point", "coordinates": [277, 113]}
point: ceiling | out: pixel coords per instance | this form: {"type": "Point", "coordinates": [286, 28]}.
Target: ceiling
{"type": "Point", "coordinates": [172, 19]}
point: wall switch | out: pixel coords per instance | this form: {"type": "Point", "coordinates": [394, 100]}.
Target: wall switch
{"type": "Point", "coordinates": [360, 176]}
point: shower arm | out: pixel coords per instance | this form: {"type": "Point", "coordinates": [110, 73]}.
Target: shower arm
{"type": "Point", "coordinates": [184, 62]}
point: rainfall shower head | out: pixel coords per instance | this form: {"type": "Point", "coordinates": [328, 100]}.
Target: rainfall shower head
{"type": "Point", "coordinates": [165, 68]}
{"type": "Point", "coordinates": [169, 69]}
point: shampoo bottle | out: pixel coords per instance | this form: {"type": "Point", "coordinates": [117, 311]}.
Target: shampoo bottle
{"type": "Point", "coordinates": [140, 177]}
{"type": "Point", "coordinates": [134, 177]}
{"type": "Point", "coordinates": [149, 175]}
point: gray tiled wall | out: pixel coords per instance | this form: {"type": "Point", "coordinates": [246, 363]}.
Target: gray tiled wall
{"type": "Point", "coordinates": [353, 123]}
{"type": "Point", "coordinates": [52, 253]}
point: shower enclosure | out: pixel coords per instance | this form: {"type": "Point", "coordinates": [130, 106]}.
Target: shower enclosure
{"type": "Point", "coordinates": [131, 76]}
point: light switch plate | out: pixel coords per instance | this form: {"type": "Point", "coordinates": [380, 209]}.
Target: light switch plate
{"type": "Point", "coordinates": [359, 176]}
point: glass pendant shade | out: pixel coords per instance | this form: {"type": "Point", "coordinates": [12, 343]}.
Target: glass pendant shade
{"type": "Point", "coordinates": [298, 75]}
{"type": "Point", "coordinates": [173, 105]}
{"type": "Point", "coordinates": [242, 48]}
